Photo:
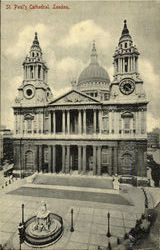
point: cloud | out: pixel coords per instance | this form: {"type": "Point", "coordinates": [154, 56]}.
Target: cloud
{"type": "Point", "coordinates": [61, 92]}
{"type": "Point", "coordinates": [110, 72]}
{"type": "Point", "coordinates": [82, 33]}
{"type": "Point", "coordinates": [25, 38]}
{"type": "Point", "coordinates": [68, 69]}
{"type": "Point", "coordinates": [7, 101]}
{"type": "Point", "coordinates": [151, 85]}
{"type": "Point", "coordinates": [152, 122]}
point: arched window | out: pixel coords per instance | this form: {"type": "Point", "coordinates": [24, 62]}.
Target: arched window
{"type": "Point", "coordinates": [127, 119]}
{"type": "Point", "coordinates": [32, 74]}
{"type": "Point", "coordinates": [29, 126]}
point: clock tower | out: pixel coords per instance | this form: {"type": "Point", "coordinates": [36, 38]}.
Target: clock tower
{"type": "Point", "coordinates": [34, 90]}
{"type": "Point", "coordinates": [127, 83]}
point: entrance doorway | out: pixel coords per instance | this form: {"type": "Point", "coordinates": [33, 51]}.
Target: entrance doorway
{"type": "Point", "coordinates": [89, 159]}
{"type": "Point", "coordinates": [29, 166]}
{"type": "Point", "coordinates": [74, 157]}
{"type": "Point", "coordinates": [58, 158]}
{"type": "Point", "coordinates": [58, 121]}
{"type": "Point", "coordinates": [127, 164]}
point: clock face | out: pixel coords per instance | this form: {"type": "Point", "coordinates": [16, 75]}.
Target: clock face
{"type": "Point", "coordinates": [127, 86]}
{"type": "Point", "coordinates": [29, 91]}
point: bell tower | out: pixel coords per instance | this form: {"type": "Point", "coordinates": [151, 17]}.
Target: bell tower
{"type": "Point", "coordinates": [127, 82]}
{"type": "Point", "coordinates": [33, 65]}
{"type": "Point", "coordinates": [126, 55]}
{"type": "Point", "coordinates": [34, 90]}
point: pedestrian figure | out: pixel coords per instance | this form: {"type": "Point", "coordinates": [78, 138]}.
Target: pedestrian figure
{"type": "Point", "coordinates": [115, 182]}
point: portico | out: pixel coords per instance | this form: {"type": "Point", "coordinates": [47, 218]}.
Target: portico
{"type": "Point", "coordinates": [75, 121]}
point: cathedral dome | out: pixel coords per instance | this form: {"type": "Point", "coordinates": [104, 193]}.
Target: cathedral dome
{"type": "Point", "coordinates": [94, 72]}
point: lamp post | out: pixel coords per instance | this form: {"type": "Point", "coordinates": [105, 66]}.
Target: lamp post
{"type": "Point", "coordinates": [72, 228]}
{"type": "Point", "coordinates": [21, 229]}
{"type": "Point", "coordinates": [108, 233]}
{"type": "Point", "coordinates": [23, 214]}
{"type": "Point", "coordinates": [21, 234]}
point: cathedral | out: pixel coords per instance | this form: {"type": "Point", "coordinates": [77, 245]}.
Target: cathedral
{"type": "Point", "coordinates": [97, 128]}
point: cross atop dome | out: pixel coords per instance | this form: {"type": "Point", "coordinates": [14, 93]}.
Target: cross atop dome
{"type": "Point", "coordinates": [94, 53]}
{"type": "Point", "coordinates": [125, 30]}
{"type": "Point", "coordinates": [35, 44]}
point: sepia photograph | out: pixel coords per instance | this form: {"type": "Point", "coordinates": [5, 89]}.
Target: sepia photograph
{"type": "Point", "coordinates": [80, 125]}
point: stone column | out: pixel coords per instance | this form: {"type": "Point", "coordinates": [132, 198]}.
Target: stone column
{"type": "Point", "coordinates": [68, 121]}
{"type": "Point", "coordinates": [110, 161]}
{"type": "Point", "coordinates": [63, 122]}
{"type": "Point", "coordinates": [115, 161]}
{"type": "Point", "coordinates": [40, 158]}
{"type": "Point", "coordinates": [118, 66]}
{"type": "Point", "coordinates": [49, 159]}
{"type": "Point", "coordinates": [94, 121]}
{"type": "Point", "coordinates": [113, 120]}
{"type": "Point", "coordinates": [79, 159]}
{"type": "Point", "coordinates": [63, 158]}
{"type": "Point", "coordinates": [68, 159]}
{"type": "Point", "coordinates": [42, 123]}
{"type": "Point", "coordinates": [99, 155]}
{"type": "Point", "coordinates": [110, 121]}
{"type": "Point", "coordinates": [131, 126]}
{"type": "Point", "coordinates": [94, 160]}
{"type": "Point", "coordinates": [50, 118]}
{"type": "Point", "coordinates": [128, 64]}
{"type": "Point", "coordinates": [84, 159]}
{"type": "Point", "coordinates": [84, 121]}
{"type": "Point", "coordinates": [24, 126]}
{"type": "Point", "coordinates": [21, 124]}
{"type": "Point", "coordinates": [134, 64]}
{"type": "Point", "coordinates": [36, 159]}
{"type": "Point", "coordinates": [54, 122]}
{"type": "Point", "coordinates": [79, 122]}
{"type": "Point", "coordinates": [123, 65]}
{"type": "Point", "coordinates": [116, 122]}
{"type": "Point", "coordinates": [54, 158]}
{"type": "Point", "coordinates": [32, 128]}
{"type": "Point", "coordinates": [145, 123]}
{"type": "Point", "coordinates": [137, 122]}
{"type": "Point", "coordinates": [15, 123]}
{"type": "Point", "coordinates": [100, 121]}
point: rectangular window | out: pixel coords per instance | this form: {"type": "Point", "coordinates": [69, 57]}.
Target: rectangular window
{"type": "Point", "coordinates": [105, 155]}
{"type": "Point", "coordinates": [31, 68]}
{"type": "Point", "coordinates": [29, 126]}
{"type": "Point", "coordinates": [126, 64]}
{"type": "Point", "coordinates": [142, 123]}
{"type": "Point", "coordinates": [105, 123]}
{"type": "Point", "coordinates": [126, 123]}
{"type": "Point", "coordinates": [45, 155]}
{"type": "Point", "coordinates": [39, 71]}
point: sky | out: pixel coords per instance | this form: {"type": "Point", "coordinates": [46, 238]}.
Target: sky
{"type": "Point", "coordinates": [66, 36]}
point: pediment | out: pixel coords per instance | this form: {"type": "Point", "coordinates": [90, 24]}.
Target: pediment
{"type": "Point", "coordinates": [74, 97]}
{"type": "Point", "coordinates": [28, 117]}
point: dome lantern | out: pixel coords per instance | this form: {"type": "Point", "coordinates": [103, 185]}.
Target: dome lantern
{"type": "Point", "coordinates": [94, 79]}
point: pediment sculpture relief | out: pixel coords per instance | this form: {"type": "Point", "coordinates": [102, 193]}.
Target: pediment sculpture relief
{"type": "Point", "coordinates": [74, 97]}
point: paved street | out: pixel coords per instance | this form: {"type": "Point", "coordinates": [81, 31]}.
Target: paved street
{"type": "Point", "coordinates": [90, 218]}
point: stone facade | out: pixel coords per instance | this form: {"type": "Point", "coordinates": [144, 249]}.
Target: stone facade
{"type": "Point", "coordinates": [97, 127]}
